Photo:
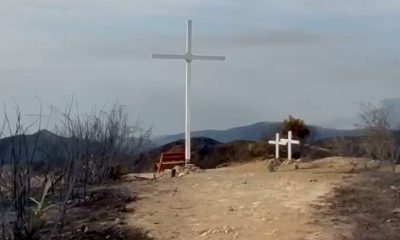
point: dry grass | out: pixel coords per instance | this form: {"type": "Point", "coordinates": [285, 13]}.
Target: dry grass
{"type": "Point", "coordinates": [101, 216]}
{"type": "Point", "coordinates": [246, 198]}
{"type": "Point", "coordinates": [365, 207]}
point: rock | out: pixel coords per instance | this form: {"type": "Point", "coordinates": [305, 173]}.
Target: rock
{"type": "Point", "coordinates": [236, 235]}
{"type": "Point", "coordinates": [132, 197]}
{"type": "Point", "coordinates": [167, 172]}
{"type": "Point", "coordinates": [181, 174]}
{"type": "Point", "coordinates": [296, 166]}
{"type": "Point", "coordinates": [273, 232]}
{"type": "Point", "coordinates": [271, 166]}
{"type": "Point", "coordinates": [69, 202]}
{"type": "Point", "coordinates": [312, 180]}
{"type": "Point", "coordinates": [108, 237]}
{"type": "Point", "coordinates": [351, 170]}
{"type": "Point", "coordinates": [226, 229]}
{"type": "Point", "coordinates": [84, 229]}
{"type": "Point", "coordinates": [388, 220]}
{"type": "Point", "coordinates": [49, 223]}
{"type": "Point", "coordinates": [373, 164]}
{"type": "Point", "coordinates": [396, 210]}
{"type": "Point", "coordinates": [117, 220]}
{"type": "Point", "coordinates": [178, 169]}
{"type": "Point", "coordinates": [191, 168]}
{"type": "Point", "coordinates": [129, 208]}
{"type": "Point", "coordinates": [149, 235]}
{"type": "Point", "coordinates": [206, 232]}
{"type": "Point", "coordinates": [203, 232]}
{"type": "Point", "coordinates": [231, 209]}
{"type": "Point", "coordinates": [288, 162]}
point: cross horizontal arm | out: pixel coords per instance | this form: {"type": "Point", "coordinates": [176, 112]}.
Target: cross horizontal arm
{"type": "Point", "coordinates": [215, 58]}
{"type": "Point", "coordinates": [279, 142]}
{"type": "Point", "coordinates": [283, 140]}
{"type": "Point", "coordinates": [168, 56]}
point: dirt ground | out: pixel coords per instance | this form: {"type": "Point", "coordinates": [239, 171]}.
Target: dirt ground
{"type": "Point", "coordinates": [327, 199]}
{"type": "Point", "coordinates": [241, 202]}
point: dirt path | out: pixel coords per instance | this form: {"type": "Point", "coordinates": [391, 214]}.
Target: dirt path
{"type": "Point", "coordinates": [243, 202]}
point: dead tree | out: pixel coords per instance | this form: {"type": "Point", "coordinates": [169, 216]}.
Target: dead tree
{"type": "Point", "coordinates": [380, 141]}
{"type": "Point", "coordinates": [101, 140]}
{"type": "Point", "coordinates": [16, 176]}
{"type": "Point", "coordinates": [91, 146]}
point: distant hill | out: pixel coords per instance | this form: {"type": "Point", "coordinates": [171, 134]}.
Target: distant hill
{"type": "Point", "coordinates": [48, 147]}
{"type": "Point", "coordinates": [212, 147]}
{"type": "Point", "coordinates": [255, 132]}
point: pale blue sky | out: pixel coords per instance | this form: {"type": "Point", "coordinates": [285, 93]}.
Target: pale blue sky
{"type": "Point", "coordinates": [311, 58]}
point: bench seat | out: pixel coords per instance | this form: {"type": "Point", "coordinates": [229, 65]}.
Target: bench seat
{"type": "Point", "coordinates": [170, 160]}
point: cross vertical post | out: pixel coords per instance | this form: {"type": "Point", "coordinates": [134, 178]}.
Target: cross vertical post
{"type": "Point", "coordinates": [188, 57]}
{"type": "Point", "coordinates": [187, 91]}
{"type": "Point", "coordinates": [277, 142]}
{"type": "Point", "coordinates": [290, 145]}
{"type": "Point", "coordinates": [289, 141]}
{"type": "Point", "coordinates": [277, 146]}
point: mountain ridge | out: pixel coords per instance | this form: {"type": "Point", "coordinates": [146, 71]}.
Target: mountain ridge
{"type": "Point", "coordinates": [255, 132]}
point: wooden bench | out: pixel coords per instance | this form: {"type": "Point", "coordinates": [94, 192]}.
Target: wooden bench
{"type": "Point", "coordinates": [169, 160]}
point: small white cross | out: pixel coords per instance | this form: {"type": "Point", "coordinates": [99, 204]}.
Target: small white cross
{"type": "Point", "coordinates": [277, 142]}
{"type": "Point", "coordinates": [289, 141]}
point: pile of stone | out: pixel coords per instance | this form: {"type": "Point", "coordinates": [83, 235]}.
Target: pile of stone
{"type": "Point", "coordinates": [221, 230]}
{"type": "Point", "coordinates": [180, 171]}
{"type": "Point", "coordinates": [194, 169]}
{"type": "Point", "coordinates": [273, 164]}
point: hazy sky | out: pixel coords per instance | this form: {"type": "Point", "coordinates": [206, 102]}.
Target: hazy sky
{"type": "Point", "coordinates": [310, 58]}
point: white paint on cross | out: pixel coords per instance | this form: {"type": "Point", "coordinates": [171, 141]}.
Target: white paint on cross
{"type": "Point", "coordinates": [188, 57]}
{"type": "Point", "coordinates": [289, 141]}
{"type": "Point", "coordinates": [277, 142]}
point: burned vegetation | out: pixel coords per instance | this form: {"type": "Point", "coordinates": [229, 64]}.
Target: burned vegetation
{"type": "Point", "coordinates": [42, 174]}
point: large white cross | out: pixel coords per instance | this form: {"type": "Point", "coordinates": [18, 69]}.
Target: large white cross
{"type": "Point", "coordinates": [277, 142]}
{"type": "Point", "coordinates": [289, 141]}
{"type": "Point", "coordinates": [188, 57]}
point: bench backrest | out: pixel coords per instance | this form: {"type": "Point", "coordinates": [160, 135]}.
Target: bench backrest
{"type": "Point", "coordinates": [172, 157]}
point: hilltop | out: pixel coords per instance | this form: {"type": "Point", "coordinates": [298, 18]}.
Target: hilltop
{"type": "Point", "coordinates": [48, 146]}
{"type": "Point", "coordinates": [325, 199]}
